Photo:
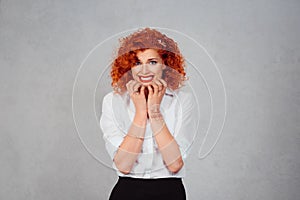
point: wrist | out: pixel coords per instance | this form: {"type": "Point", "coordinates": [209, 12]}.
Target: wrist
{"type": "Point", "coordinates": [136, 131]}
{"type": "Point", "coordinates": [154, 112]}
{"type": "Point", "coordinates": [140, 119]}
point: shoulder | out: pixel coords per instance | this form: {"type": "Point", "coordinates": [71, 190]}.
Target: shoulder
{"type": "Point", "coordinates": [109, 97]}
{"type": "Point", "coordinates": [184, 94]}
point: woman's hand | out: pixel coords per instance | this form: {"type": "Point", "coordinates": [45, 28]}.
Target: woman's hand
{"type": "Point", "coordinates": [138, 97]}
{"type": "Point", "coordinates": [155, 95]}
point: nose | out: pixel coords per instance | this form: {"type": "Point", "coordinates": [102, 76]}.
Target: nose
{"type": "Point", "coordinates": [144, 69]}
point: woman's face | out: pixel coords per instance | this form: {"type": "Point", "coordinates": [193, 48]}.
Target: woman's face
{"type": "Point", "coordinates": [149, 67]}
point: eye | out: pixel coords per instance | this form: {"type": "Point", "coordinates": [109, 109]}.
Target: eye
{"type": "Point", "coordinates": [153, 62]}
{"type": "Point", "coordinates": [137, 63]}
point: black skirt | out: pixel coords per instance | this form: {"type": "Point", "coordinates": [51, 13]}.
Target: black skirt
{"type": "Point", "coordinates": [128, 188]}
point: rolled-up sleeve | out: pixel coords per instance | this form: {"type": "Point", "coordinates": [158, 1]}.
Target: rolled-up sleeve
{"type": "Point", "coordinates": [112, 134]}
{"type": "Point", "coordinates": [187, 119]}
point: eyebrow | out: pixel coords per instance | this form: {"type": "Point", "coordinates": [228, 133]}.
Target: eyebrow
{"type": "Point", "coordinates": [153, 59]}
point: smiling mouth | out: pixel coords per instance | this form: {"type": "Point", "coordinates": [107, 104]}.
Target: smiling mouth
{"type": "Point", "coordinates": [146, 79]}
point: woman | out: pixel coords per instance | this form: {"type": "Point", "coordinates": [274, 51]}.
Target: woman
{"type": "Point", "coordinates": [148, 120]}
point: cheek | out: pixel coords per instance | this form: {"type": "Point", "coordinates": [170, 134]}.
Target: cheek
{"type": "Point", "coordinates": [155, 70]}
{"type": "Point", "coordinates": [158, 72]}
{"type": "Point", "coordinates": [133, 72]}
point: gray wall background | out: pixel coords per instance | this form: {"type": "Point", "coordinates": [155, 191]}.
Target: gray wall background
{"type": "Point", "coordinates": [255, 44]}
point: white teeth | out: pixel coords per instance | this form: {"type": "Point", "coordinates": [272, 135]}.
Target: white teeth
{"type": "Point", "coordinates": [146, 78]}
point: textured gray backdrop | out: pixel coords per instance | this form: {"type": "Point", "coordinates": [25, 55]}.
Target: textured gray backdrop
{"type": "Point", "coordinates": [255, 44]}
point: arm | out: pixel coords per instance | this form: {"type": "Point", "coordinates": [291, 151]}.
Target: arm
{"type": "Point", "coordinates": [131, 145]}
{"type": "Point", "coordinates": [167, 145]}
{"type": "Point", "coordinates": [124, 150]}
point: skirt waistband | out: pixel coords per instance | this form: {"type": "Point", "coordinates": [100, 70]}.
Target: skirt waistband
{"type": "Point", "coordinates": [161, 180]}
{"type": "Point", "coordinates": [148, 188]}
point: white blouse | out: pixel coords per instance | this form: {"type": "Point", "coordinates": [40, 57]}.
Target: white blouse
{"type": "Point", "coordinates": [179, 112]}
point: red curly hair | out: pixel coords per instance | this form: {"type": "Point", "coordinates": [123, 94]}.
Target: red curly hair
{"type": "Point", "coordinates": [141, 40]}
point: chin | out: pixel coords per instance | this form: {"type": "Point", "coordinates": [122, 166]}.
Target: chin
{"type": "Point", "coordinates": [145, 84]}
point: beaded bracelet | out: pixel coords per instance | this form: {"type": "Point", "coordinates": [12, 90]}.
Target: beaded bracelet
{"type": "Point", "coordinates": [135, 136]}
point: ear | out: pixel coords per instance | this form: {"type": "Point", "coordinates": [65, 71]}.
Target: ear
{"type": "Point", "coordinates": [163, 67]}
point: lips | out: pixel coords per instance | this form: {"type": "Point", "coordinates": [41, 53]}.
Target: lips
{"type": "Point", "coordinates": [146, 79]}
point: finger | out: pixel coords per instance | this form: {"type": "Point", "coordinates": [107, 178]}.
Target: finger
{"type": "Point", "coordinates": [164, 89]}
{"type": "Point", "coordinates": [128, 86]}
{"type": "Point", "coordinates": [150, 90]}
{"type": "Point", "coordinates": [142, 92]}
{"type": "Point", "coordinates": [159, 84]}
{"type": "Point", "coordinates": [163, 82]}
{"type": "Point", "coordinates": [136, 86]}
{"type": "Point", "coordinates": [155, 88]}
